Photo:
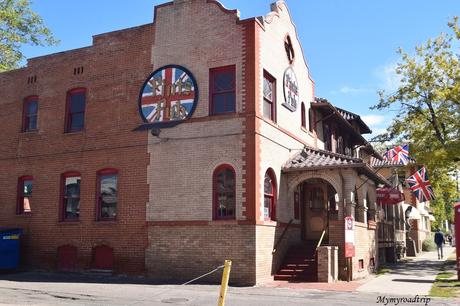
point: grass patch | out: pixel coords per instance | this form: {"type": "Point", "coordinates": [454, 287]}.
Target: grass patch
{"type": "Point", "coordinates": [445, 285]}
{"type": "Point", "coordinates": [382, 270]}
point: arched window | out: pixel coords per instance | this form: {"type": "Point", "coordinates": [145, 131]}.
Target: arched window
{"type": "Point", "coordinates": [224, 192]}
{"type": "Point", "coordinates": [270, 195]}
{"type": "Point", "coordinates": [29, 114]}
{"type": "Point", "coordinates": [311, 118]}
{"type": "Point", "coordinates": [302, 114]}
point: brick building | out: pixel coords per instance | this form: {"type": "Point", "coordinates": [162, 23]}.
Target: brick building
{"type": "Point", "coordinates": [241, 161]}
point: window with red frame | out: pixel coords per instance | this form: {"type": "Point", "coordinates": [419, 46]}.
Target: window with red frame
{"type": "Point", "coordinates": [311, 118]}
{"type": "Point", "coordinates": [269, 107]}
{"type": "Point", "coordinates": [71, 196]}
{"type": "Point", "coordinates": [30, 114]}
{"type": "Point", "coordinates": [25, 184]}
{"type": "Point", "coordinates": [302, 114]}
{"type": "Point", "coordinates": [222, 90]}
{"type": "Point", "coordinates": [269, 196]}
{"type": "Point", "coordinates": [224, 192]}
{"type": "Point", "coordinates": [107, 194]}
{"type": "Point", "coordinates": [75, 110]}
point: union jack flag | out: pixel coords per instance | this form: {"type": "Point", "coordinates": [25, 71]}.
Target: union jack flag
{"type": "Point", "coordinates": [421, 186]}
{"type": "Point", "coordinates": [168, 95]}
{"type": "Point", "coordinates": [399, 154]}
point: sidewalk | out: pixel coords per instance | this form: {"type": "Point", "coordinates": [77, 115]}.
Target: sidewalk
{"type": "Point", "coordinates": [412, 277]}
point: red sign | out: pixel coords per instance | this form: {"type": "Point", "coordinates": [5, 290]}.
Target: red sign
{"type": "Point", "coordinates": [389, 196]}
{"type": "Point", "coordinates": [457, 236]}
{"type": "Point", "coordinates": [349, 236]}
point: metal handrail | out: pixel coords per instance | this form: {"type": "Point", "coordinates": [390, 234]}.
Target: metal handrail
{"type": "Point", "coordinates": [321, 239]}
{"type": "Point", "coordinates": [281, 237]}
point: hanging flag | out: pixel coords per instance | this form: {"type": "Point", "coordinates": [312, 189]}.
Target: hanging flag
{"type": "Point", "coordinates": [421, 186]}
{"type": "Point", "coordinates": [399, 154]}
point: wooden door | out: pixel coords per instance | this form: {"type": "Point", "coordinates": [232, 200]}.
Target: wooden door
{"type": "Point", "coordinates": [315, 206]}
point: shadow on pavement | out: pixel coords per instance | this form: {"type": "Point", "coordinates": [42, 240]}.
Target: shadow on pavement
{"type": "Point", "coordinates": [86, 277]}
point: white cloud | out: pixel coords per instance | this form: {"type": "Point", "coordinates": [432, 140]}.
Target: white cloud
{"type": "Point", "coordinates": [347, 89]}
{"type": "Point", "coordinates": [389, 79]}
{"type": "Point", "coordinates": [373, 120]}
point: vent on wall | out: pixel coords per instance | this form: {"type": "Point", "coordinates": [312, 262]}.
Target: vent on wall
{"type": "Point", "coordinates": [32, 79]}
{"type": "Point", "coordinates": [78, 70]}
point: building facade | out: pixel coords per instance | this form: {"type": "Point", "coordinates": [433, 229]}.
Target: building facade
{"type": "Point", "coordinates": [168, 151]}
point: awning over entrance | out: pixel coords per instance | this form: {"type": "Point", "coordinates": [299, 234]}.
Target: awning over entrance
{"type": "Point", "coordinates": [314, 159]}
{"type": "Point", "coordinates": [413, 214]}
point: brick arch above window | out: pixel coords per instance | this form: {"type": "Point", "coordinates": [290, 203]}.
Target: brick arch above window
{"type": "Point", "coordinates": [224, 192]}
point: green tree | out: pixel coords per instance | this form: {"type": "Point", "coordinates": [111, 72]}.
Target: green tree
{"type": "Point", "coordinates": [428, 99]}
{"type": "Point", "coordinates": [19, 25]}
{"type": "Point", "coordinates": [428, 118]}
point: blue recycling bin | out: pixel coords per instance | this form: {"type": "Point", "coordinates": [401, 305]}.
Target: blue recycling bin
{"type": "Point", "coordinates": [9, 248]}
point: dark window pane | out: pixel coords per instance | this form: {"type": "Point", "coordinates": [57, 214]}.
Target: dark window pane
{"type": "Point", "coordinates": [28, 188]}
{"type": "Point", "coordinates": [71, 208]}
{"type": "Point", "coordinates": [31, 123]}
{"type": "Point", "coordinates": [224, 103]}
{"type": "Point", "coordinates": [224, 81]}
{"type": "Point", "coordinates": [267, 204]}
{"type": "Point", "coordinates": [268, 187]}
{"type": "Point", "coordinates": [32, 107]}
{"type": "Point", "coordinates": [268, 89]}
{"type": "Point", "coordinates": [72, 186]}
{"type": "Point", "coordinates": [108, 195]}
{"type": "Point", "coordinates": [76, 122]}
{"type": "Point", "coordinates": [77, 102]}
{"type": "Point", "coordinates": [268, 109]}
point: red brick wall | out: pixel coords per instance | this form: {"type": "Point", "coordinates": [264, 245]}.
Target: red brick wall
{"type": "Point", "coordinates": [114, 69]}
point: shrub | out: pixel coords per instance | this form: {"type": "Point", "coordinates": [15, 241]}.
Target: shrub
{"type": "Point", "coordinates": [428, 245]}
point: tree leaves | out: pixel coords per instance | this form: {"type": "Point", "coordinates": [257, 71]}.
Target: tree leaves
{"type": "Point", "coordinates": [19, 25]}
{"type": "Point", "coordinates": [428, 100]}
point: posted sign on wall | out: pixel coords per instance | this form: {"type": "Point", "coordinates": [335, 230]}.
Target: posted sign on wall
{"type": "Point", "coordinates": [349, 236]}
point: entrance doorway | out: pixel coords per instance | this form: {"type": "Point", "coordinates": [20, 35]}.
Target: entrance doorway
{"type": "Point", "coordinates": [318, 206]}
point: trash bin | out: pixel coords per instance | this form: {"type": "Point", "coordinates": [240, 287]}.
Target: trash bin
{"type": "Point", "coordinates": [9, 248]}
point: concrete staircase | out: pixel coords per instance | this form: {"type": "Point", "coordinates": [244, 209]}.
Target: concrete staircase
{"type": "Point", "coordinates": [300, 264]}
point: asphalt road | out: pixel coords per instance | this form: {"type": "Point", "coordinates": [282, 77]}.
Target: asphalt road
{"type": "Point", "coordinates": [52, 289]}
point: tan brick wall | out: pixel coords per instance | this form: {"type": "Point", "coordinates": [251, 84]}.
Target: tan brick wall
{"type": "Point", "coordinates": [186, 252]}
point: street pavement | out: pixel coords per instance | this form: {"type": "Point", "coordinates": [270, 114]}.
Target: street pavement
{"type": "Point", "coordinates": [411, 277]}
{"type": "Point", "coordinates": [407, 280]}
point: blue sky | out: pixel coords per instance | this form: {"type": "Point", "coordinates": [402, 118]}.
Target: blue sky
{"type": "Point", "coordinates": [350, 45]}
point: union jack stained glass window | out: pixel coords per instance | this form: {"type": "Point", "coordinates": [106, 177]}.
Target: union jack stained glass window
{"type": "Point", "coordinates": [222, 90]}
{"type": "Point", "coordinates": [224, 192]}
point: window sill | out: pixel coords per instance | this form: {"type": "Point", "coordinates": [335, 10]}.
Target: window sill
{"type": "Point", "coordinates": [224, 222]}
{"type": "Point", "coordinates": [106, 222]}
{"type": "Point", "coordinates": [30, 132]}
{"type": "Point", "coordinates": [75, 133]}
{"type": "Point", "coordinates": [225, 115]}
{"type": "Point", "coordinates": [24, 215]}
{"type": "Point", "coordinates": [69, 222]}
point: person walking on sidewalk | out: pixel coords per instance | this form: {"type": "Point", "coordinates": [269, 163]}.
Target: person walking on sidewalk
{"type": "Point", "coordinates": [439, 240]}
